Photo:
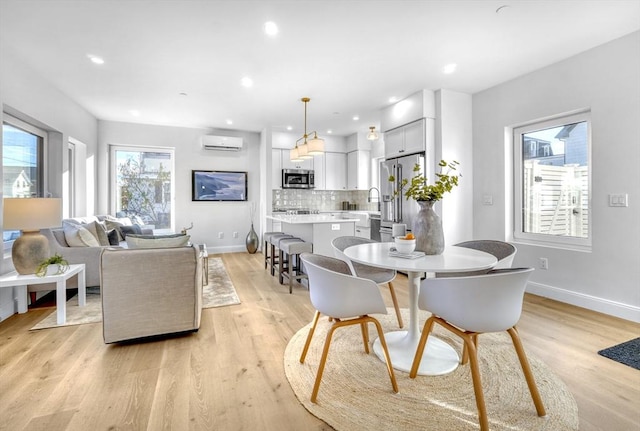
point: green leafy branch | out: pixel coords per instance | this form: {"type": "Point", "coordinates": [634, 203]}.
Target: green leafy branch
{"type": "Point", "coordinates": [418, 188]}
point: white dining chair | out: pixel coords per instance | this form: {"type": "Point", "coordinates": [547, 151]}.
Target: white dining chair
{"type": "Point", "coordinates": [473, 305]}
{"type": "Point", "coordinates": [380, 276]}
{"type": "Point", "coordinates": [503, 251]}
{"type": "Point", "coordinates": [347, 300]}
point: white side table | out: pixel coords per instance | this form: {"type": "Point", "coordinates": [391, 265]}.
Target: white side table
{"type": "Point", "coordinates": [13, 279]}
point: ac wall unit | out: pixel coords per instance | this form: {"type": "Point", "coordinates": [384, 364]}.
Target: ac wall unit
{"type": "Point", "coordinates": [221, 143]}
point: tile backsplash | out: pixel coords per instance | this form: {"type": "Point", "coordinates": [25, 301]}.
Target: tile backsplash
{"type": "Point", "coordinates": [323, 200]}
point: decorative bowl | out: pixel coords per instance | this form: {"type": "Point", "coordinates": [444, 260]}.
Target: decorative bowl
{"type": "Point", "coordinates": [405, 246]}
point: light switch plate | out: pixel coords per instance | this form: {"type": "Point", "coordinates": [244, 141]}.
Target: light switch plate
{"type": "Point", "coordinates": [619, 200]}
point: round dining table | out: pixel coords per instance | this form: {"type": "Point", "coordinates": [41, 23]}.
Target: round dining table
{"type": "Point", "coordinates": [438, 357]}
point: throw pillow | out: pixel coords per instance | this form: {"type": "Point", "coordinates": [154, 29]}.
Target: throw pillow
{"type": "Point", "coordinates": [114, 237]}
{"type": "Point", "coordinates": [101, 231]}
{"type": "Point", "coordinates": [114, 224]}
{"type": "Point", "coordinates": [133, 229]}
{"type": "Point", "coordinates": [159, 241]}
{"type": "Point", "coordinates": [79, 236]}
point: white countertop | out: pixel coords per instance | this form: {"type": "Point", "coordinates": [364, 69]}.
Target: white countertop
{"type": "Point", "coordinates": [310, 218]}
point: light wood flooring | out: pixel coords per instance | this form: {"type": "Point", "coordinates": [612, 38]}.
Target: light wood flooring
{"type": "Point", "coordinates": [230, 375]}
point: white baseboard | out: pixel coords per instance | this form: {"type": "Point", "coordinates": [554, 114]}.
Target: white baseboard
{"type": "Point", "coordinates": [606, 306]}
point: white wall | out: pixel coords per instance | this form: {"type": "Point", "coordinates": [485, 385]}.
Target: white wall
{"type": "Point", "coordinates": [606, 80]}
{"type": "Point", "coordinates": [30, 97]}
{"type": "Point", "coordinates": [209, 218]}
{"type": "Point", "coordinates": [454, 142]}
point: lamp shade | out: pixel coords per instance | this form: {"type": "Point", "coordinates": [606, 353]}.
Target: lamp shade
{"type": "Point", "coordinates": [293, 155]}
{"type": "Point", "coordinates": [303, 151]}
{"type": "Point", "coordinates": [31, 214]}
{"type": "Point", "coordinates": [315, 146]}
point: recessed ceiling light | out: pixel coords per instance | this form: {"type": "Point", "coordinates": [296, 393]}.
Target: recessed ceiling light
{"type": "Point", "coordinates": [95, 59]}
{"type": "Point", "coordinates": [289, 128]}
{"type": "Point", "coordinates": [393, 99]}
{"type": "Point", "coordinates": [329, 131]}
{"type": "Point", "coordinates": [247, 82]}
{"type": "Point", "coordinates": [270, 28]}
{"type": "Point", "coordinates": [449, 68]}
{"type": "Point", "coordinates": [356, 118]}
{"type": "Point", "coordinates": [134, 112]}
{"type": "Point", "coordinates": [183, 94]}
{"type": "Point", "coordinates": [229, 122]}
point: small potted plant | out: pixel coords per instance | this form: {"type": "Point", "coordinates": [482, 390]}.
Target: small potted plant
{"type": "Point", "coordinates": [427, 225]}
{"type": "Point", "coordinates": [54, 265]}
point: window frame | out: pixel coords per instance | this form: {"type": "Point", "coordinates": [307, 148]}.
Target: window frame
{"type": "Point", "coordinates": [41, 168]}
{"type": "Point", "coordinates": [567, 242]}
{"type": "Point", "coordinates": [113, 175]}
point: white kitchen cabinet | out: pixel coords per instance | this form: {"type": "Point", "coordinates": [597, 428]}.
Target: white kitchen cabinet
{"type": "Point", "coordinates": [288, 164]}
{"type": "Point", "coordinates": [358, 163]}
{"type": "Point", "coordinates": [319, 170]}
{"type": "Point", "coordinates": [276, 168]}
{"type": "Point", "coordinates": [335, 165]}
{"type": "Point", "coordinates": [404, 140]}
{"type": "Point", "coordinates": [363, 232]}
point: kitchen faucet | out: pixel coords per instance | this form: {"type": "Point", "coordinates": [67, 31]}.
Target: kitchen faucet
{"type": "Point", "coordinates": [370, 198]}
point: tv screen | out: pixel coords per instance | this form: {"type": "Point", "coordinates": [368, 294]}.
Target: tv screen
{"type": "Point", "coordinates": [219, 186]}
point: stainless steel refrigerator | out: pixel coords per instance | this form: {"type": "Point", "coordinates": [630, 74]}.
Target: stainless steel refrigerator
{"type": "Point", "coordinates": [397, 209]}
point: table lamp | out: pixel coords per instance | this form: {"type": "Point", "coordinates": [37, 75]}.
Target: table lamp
{"type": "Point", "coordinates": [30, 215]}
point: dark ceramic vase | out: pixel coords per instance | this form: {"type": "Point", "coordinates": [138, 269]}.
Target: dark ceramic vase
{"type": "Point", "coordinates": [252, 241]}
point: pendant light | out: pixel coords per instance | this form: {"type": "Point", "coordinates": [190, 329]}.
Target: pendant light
{"type": "Point", "coordinates": [307, 149]}
{"type": "Point", "coordinates": [372, 135]}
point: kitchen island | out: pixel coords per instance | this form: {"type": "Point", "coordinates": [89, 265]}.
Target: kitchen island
{"type": "Point", "coordinates": [318, 229]}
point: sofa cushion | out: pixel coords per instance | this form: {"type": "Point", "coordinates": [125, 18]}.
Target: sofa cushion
{"type": "Point", "coordinates": [157, 241]}
{"type": "Point", "coordinates": [101, 231]}
{"type": "Point", "coordinates": [122, 228]}
{"type": "Point", "coordinates": [114, 237]}
{"type": "Point", "coordinates": [79, 236]}
{"type": "Point", "coordinates": [128, 230]}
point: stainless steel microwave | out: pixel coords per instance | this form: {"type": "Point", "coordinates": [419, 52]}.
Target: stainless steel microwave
{"type": "Point", "coordinates": [297, 179]}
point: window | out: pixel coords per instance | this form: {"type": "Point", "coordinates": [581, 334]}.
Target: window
{"type": "Point", "coordinates": [22, 165]}
{"type": "Point", "coordinates": [553, 181]}
{"type": "Point", "coordinates": [142, 185]}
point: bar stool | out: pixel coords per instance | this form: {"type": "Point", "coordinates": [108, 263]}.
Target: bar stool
{"type": "Point", "coordinates": [291, 248]}
{"type": "Point", "coordinates": [267, 241]}
{"type": "Point", "coordinates": [273, 244]}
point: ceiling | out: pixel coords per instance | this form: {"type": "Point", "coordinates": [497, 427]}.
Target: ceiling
{"type": "Point", "coordinates": [180, 63]}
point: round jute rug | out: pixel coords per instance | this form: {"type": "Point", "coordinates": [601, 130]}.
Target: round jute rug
{"type": "Point", "coordinates": [356, 394]}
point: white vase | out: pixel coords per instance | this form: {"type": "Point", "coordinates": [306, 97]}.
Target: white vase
{"type": "Point", "coordinates": [427, 228]}
{"type": "Point", "coordinates": [55, 269]}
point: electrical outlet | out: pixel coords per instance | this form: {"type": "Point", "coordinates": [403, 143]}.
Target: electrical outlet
{"type": "Point", "coordinates": [543, 262]}
{"type": "Point", "coordinates": [235, 234]}
{"type": "Point", "coordinates": [220, 235]}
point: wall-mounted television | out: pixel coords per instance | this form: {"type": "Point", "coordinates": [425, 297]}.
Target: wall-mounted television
{"type": "Point", "coordinates": [218, 186]}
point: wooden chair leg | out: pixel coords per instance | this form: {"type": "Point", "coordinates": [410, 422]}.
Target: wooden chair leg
{"type": "Point", "coordinates": [392, 290]}
{"type": "Point", "coordinates": [33, 297]}
{"type": "Point", "coordinates": [273, 259]}
{"type": "Point", "coordinates": [316, 316]}
{"type": "Point", "coordinates": [323, 360]}
{"type": "Point", "coordinates": [420, 350]}
{"type": "Point", "coordinates": [383, 343]}
{"type": "Point", "coordinates": [365, 336]}
{"type": "Point", "coordinates": [526, 369]}
{"type": "Point", "coordinates": [477, 382]}
{"type": "Point", "coordinates": [265, 250]}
